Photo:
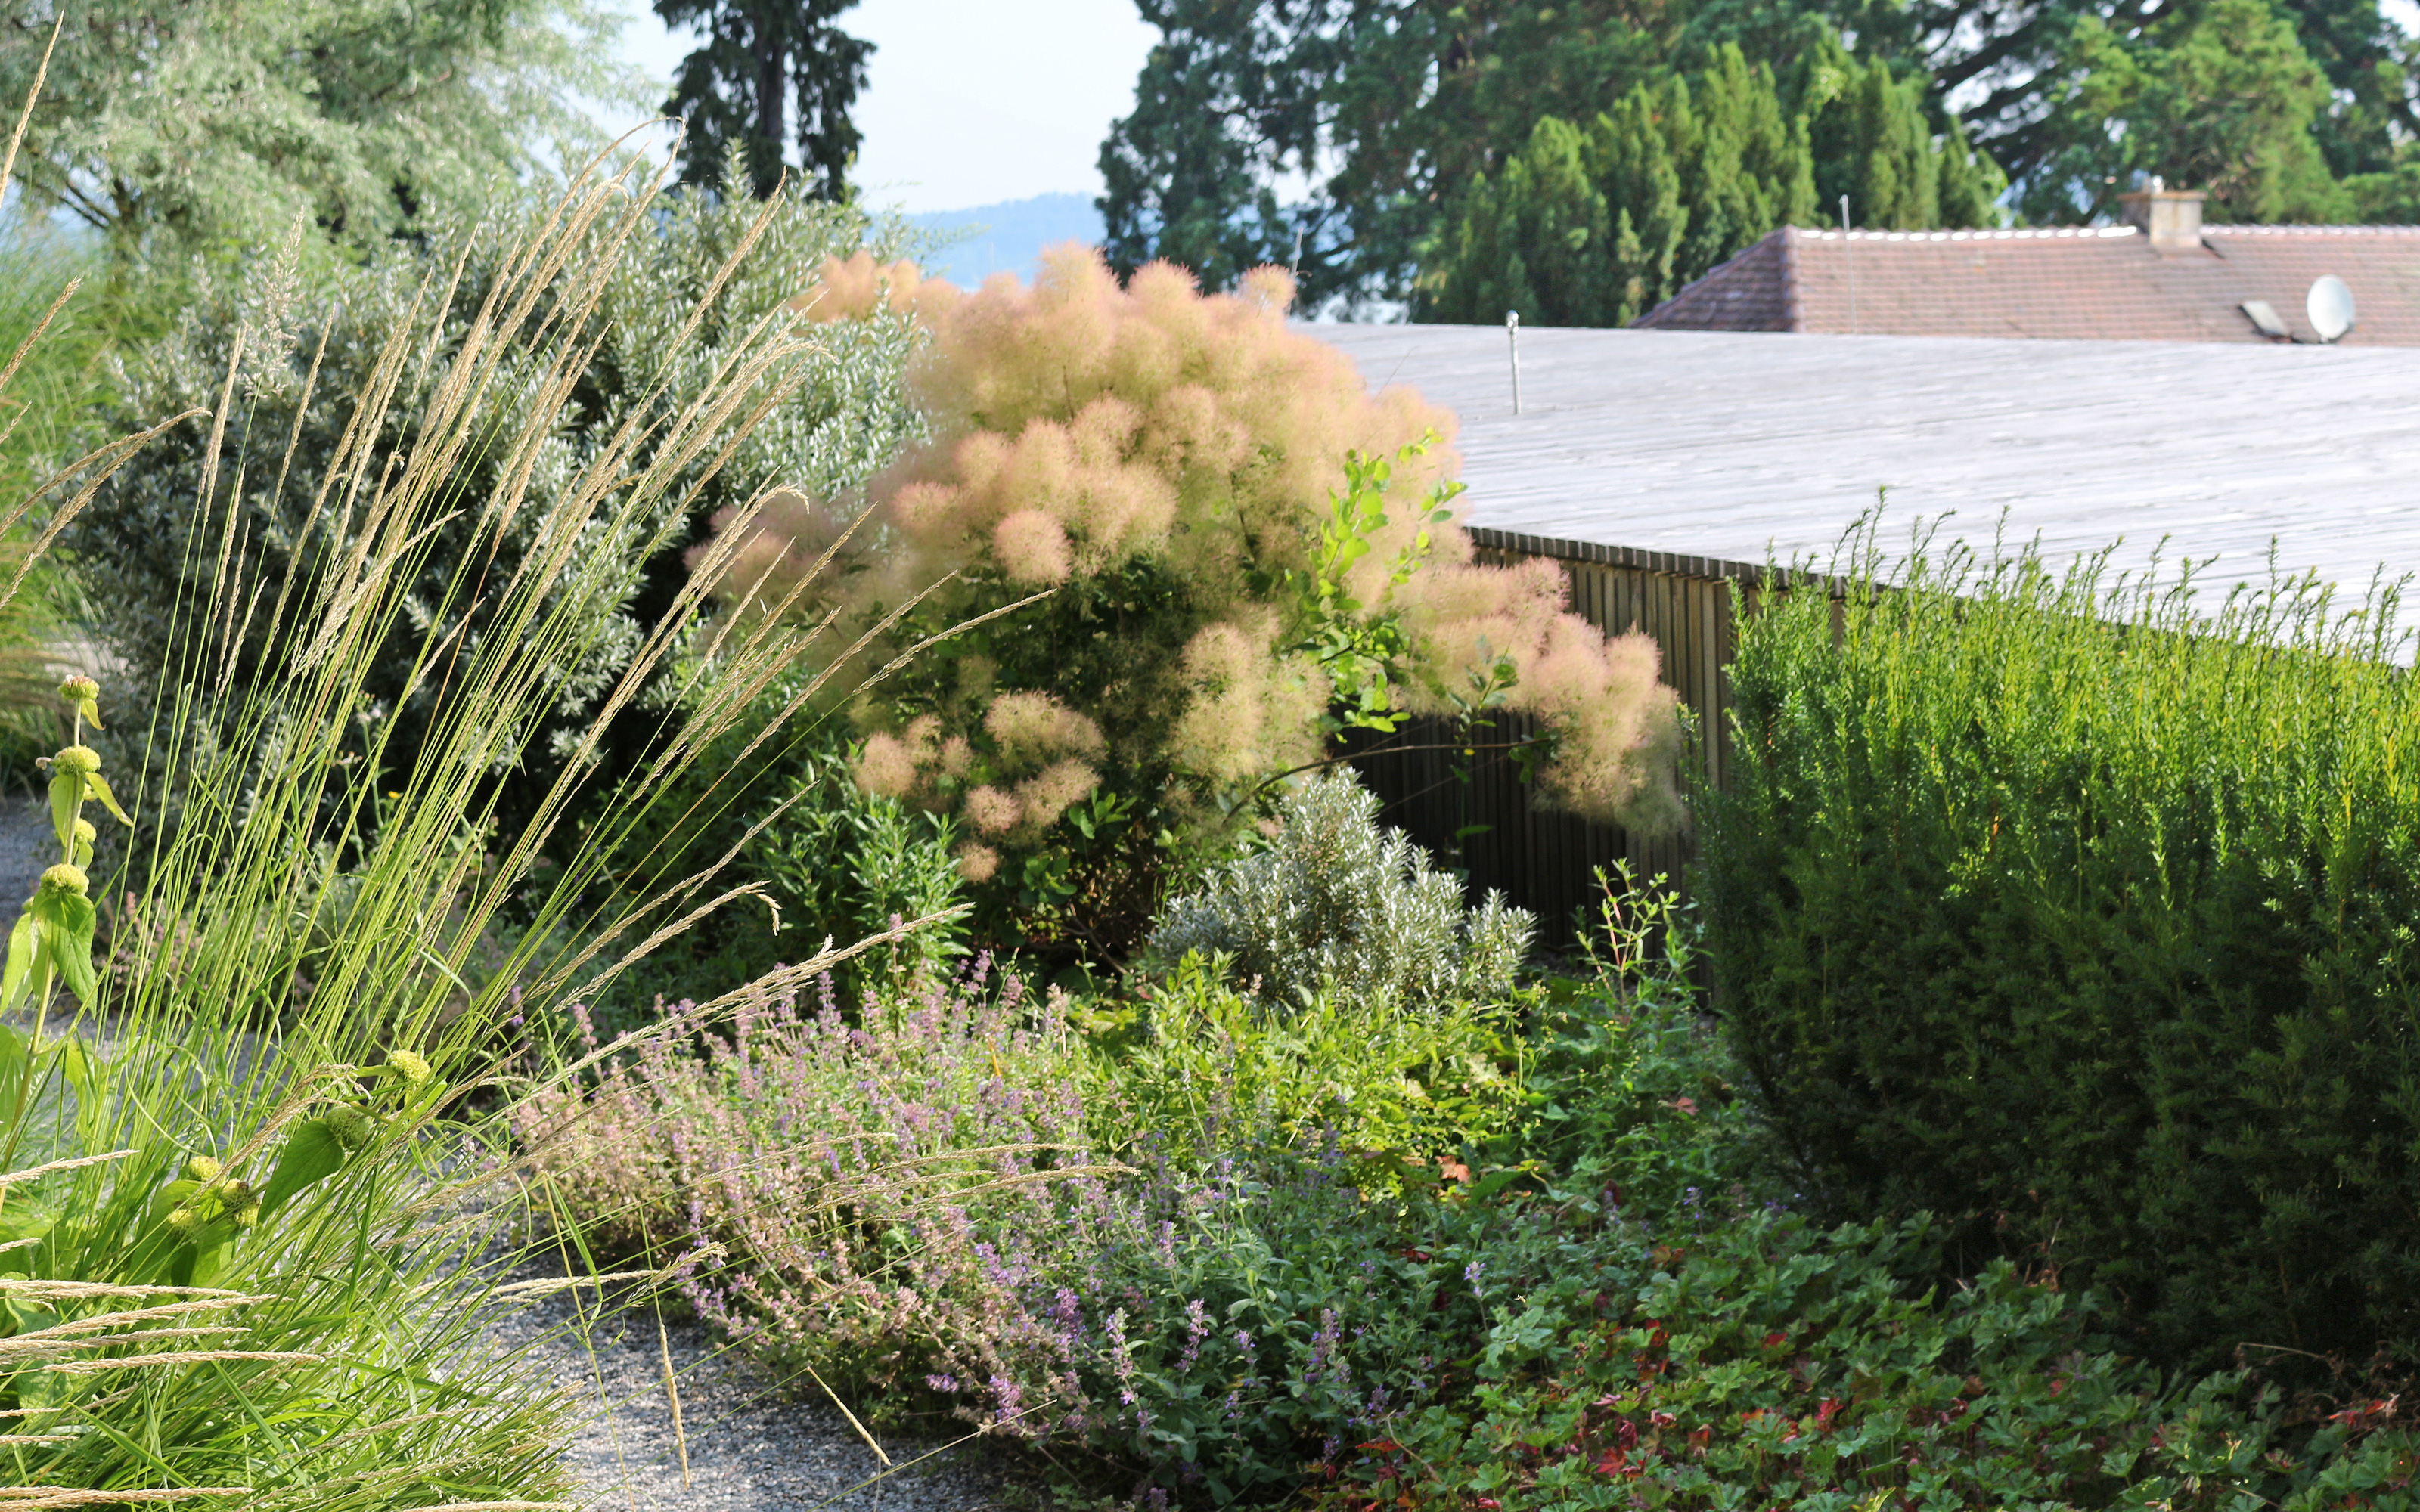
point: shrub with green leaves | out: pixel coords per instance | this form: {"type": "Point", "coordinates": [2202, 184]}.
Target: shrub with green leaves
{"type": "Point", "coordinates": [1338, 903]}
{"type": "Point", "coordinates": [2081, 913]}
{"type": "Point", "coordinates": [282, 490]}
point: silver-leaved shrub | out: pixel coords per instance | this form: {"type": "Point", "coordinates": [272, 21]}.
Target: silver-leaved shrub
{"type": "Point", "coordinates": [1339, 903]}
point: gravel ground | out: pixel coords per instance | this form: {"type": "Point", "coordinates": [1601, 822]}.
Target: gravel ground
{"type": "Point", "coordinates": [748, 1448]}
{"type": "Point", "coordinates": [27, 844]}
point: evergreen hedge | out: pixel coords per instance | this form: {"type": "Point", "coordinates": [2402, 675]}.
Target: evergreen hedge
{"type": "Point", "coordinates": [2057, 903]}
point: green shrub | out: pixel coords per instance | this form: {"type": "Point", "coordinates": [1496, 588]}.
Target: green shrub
{"type": "Point", "coordinates": [832, 861]}
{"type": "Point", "coordinates": [316, 335]}
{"type": "Point", "coordinates": [2082, 914]}
{"type": "Point", "coordinates": [1337, 904]}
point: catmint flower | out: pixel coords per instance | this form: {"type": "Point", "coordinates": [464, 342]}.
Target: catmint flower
{"type": "Point", "coordinates": [1471, 1273]}
{"type": "Point", "coordinates": [66, 879]}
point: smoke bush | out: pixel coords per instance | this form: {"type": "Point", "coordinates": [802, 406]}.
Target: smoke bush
{"type": "Point", "coordinates": [1236, 539]}
{"type": "Point", "coordinates": [1339, 904]}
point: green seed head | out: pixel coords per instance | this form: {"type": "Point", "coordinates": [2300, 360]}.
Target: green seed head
{"type": "Point", "coordinates": [78, 688]}
{"type": "Point", "coordinates": [248, 1214]}
{"type": "Point", "coordinates": [237, 1195]}
{"type": "Point", "coordinates": [184, 1220]}
{"type": "Point", "coordinates": [352, 1127]}
{"type": "Point", "coordinates": [85, 832]}
{"type": "Point", "coordinates": [65, 878]}
{"type": "Point", "coordinates": [411, 1068]}
{"type": "Point", "coordinates": [203, 1168]}
{"type": "Point", "coordinates": [83, 759]}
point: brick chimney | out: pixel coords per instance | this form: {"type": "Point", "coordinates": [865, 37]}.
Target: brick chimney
{"type": "Point", "coordinates": [2170, 217]}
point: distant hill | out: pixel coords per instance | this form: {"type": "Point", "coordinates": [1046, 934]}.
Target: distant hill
{"type": "Point", "coordinates": [1010, 236]}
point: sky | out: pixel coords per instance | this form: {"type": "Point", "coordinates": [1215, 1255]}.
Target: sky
{"type": "Point", "coordinates": [968, 102]}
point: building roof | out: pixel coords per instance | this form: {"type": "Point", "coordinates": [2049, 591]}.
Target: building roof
{"type": "Point", "coordinates": [2090, 282]}
{"type": "Point", "coordinates": [1727, 446]}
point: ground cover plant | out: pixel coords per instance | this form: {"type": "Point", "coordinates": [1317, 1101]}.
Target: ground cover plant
{"type": "Point", "coordinates": [2079, 913]}
{"type": "Point", "coordinates": [251, 1237]}
{"type": "Point", "coordinates": [1196, 547]}
{"type": "Point", "coordinates": [1191, 1246]}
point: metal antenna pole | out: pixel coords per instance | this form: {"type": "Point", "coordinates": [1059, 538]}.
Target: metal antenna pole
{"type": "Point", "coordinates": [1513, 334]}
{"type": "Point", "coordinates": [1849, 255]}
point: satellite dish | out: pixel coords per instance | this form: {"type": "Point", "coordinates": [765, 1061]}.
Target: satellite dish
{"type": "Point", "coordinates": [2330, 307]}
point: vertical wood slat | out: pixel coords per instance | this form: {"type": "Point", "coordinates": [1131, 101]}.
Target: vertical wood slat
{"type": "Point", "coordinates": [1542, 860]}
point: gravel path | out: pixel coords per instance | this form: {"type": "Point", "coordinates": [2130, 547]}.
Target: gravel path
{"type": "Point", "coordinates": [27, 845]}
{"type": "Point", "coordinates": [749, 1447]}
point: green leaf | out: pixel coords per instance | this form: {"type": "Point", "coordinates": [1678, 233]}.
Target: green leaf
{"type": "Point", "coordinates": [66, 939]}
{"type": "Point", "coordinates": [108, 799]}
{"type": "Point", "coordinates": [67, 791]}
{"type": "Point", "coordinates": [91, 710]}
{"type": "Point", "coordinates": [311, 1155]}
{"type": "Point", "coordinates": [17, 978]}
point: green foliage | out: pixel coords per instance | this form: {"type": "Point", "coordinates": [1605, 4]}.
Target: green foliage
{"type": "Point", "coordinates": [1337, 904]}
{"type": "Point", "coordinates": [314, 335]}
{"type": "Point", "coordinates": [1194, 1061]}
{"type": "Point", "coordinates": [1390, 113]}
{"type": "Point", "coordinates": [764, 61]}
{"type": "Point", "coordinates": [1873, 141]}
{"type": "Point", "coordinates": [829, 860]}
{"type": "Point", "coordinates": [2221, 97]}
{"type": "Point", "coordinates": [212, 127]}
{"type": "Point", "coordinates": [1760, 1362]}
{"type": "Point", "coordinates": [1597, 228]}
{"type": "Point", "coordinates": [263, 1261]}
{"type": "Point", "coordinates": [2082, 916]}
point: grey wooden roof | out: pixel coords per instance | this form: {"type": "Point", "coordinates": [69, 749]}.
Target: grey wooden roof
{"type": "Point", "coordinates": [1728, 445]}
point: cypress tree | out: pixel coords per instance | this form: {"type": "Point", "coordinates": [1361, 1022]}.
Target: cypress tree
{"type": "Point", "coordinates": [1744, 162]}
{"type": "Point", "coordinates": [1598, 226]}
{"type": "Point", "coordinates": [1630, 156]}
{"type": "Point", "coordinates": [1538, 244]}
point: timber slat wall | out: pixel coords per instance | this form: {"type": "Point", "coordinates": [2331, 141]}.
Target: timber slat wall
{"type": "Point", "coordinates": [1476, 810]}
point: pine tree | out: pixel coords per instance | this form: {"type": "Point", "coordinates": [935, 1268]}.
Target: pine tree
{"type": "Point", "coordinates": [764, 61]}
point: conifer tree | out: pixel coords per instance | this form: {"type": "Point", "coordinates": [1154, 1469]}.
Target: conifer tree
{"type": "Point", "coordinates": [1642, 184]}
{"type": "Point", "coordinates": [1874, 143]}
{"type": "Point", "coordinates": [771, 72]}
{"type": "Point", "coordinates": [1540, 243]}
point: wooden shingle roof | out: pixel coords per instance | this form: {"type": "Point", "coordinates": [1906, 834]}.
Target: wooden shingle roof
{"type": "Point", "coordinates": [1730, 446]}
{"type": "Point", "coordinates": [2091, 282]}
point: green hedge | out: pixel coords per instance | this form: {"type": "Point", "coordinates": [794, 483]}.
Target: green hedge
{"type": "Point", "coordinates": [2083, 911]}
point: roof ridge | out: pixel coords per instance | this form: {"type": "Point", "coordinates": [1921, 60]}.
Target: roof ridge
{"type": "Point", "coordinates": [2024, 233]}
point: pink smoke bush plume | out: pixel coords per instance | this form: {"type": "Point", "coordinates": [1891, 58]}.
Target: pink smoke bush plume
{"type": "Point", "coordinates": [1080, 429]}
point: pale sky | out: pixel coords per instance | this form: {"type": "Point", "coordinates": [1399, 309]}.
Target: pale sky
{"type": "Point", "coordinates": [970, 102]}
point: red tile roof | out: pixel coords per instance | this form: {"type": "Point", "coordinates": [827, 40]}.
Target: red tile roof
{"type": "Point", "coordinates": [2091, 282]}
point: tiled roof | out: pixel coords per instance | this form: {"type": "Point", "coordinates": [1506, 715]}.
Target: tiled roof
{"type": "Point", "coordinates": [2081, 282]}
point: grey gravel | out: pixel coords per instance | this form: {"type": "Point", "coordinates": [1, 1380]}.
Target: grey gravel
{"type": "Point", "coordinates": [27, 845]}
{"type": "Point", "coordinates": [751, 1445]}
